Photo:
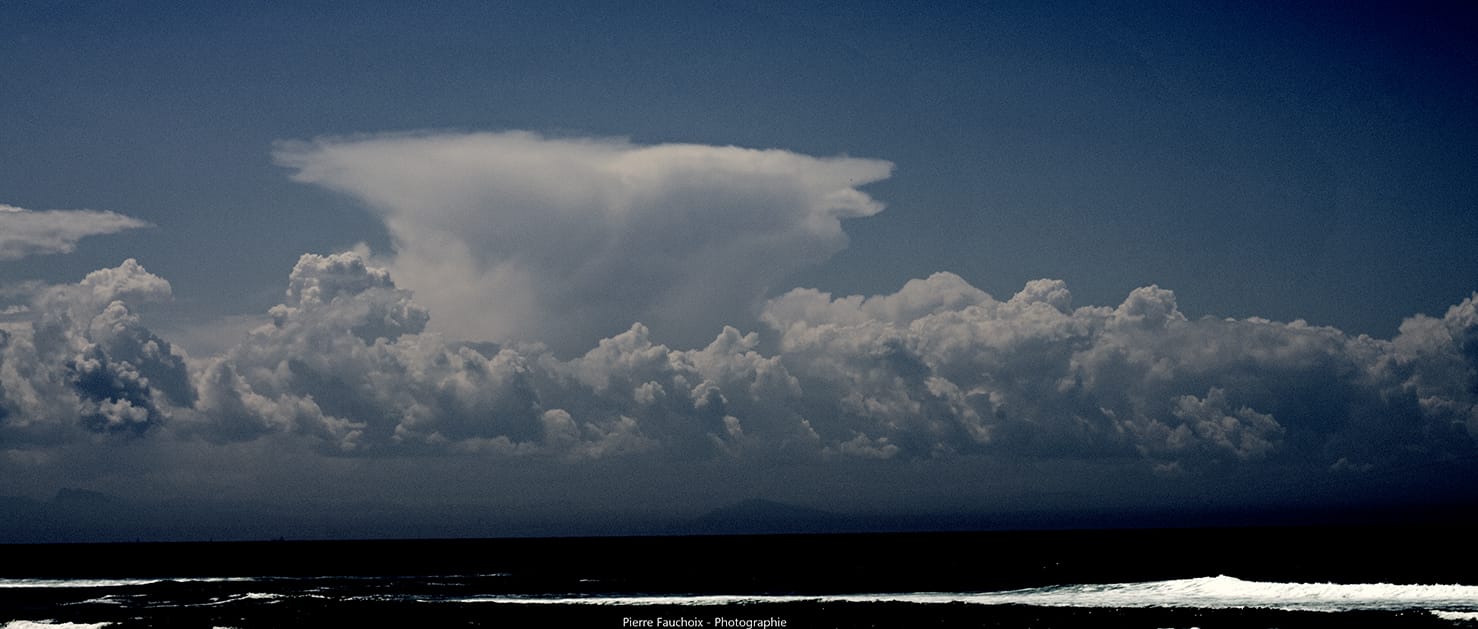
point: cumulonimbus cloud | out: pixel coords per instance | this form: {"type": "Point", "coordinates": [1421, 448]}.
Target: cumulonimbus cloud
{"type": "Point", "coordinates": [514, 236]}
{"type": "Point", "coordinates": [598, 299]}
{"type": "Point", "coordinates": [27, 232]}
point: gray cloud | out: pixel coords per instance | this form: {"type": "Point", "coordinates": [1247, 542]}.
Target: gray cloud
{"type": "Point", "coordinates": [938, 368]}
{"type": "Point", "coordinates": [512, 236]}
{"type": "Point", "coordinates": [25, 232]}
{"type": "Point", "coordinates": [87, 365]}
{"type": "Point", "coordinates": [345, 362]}
{"type": "Point", "coordinates": [937, 371]}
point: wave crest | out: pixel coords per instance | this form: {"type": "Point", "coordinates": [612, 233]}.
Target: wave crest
{"type": "Point", "coordinates": [1231, 592]}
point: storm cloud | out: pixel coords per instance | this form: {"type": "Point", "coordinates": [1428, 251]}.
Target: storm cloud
{"type": "Point", "coordinates": [941, 367]}
{"type": "Point", "coordinates": [935, 371]}
{"type": "Point", "coordinates": [86, 366]}
{"type": "Point", "coordinates": [593, 307]}
{"type": "Point", "coordinates": [345, 362]}
{"type": "Point", "coordinates": [517, 237]}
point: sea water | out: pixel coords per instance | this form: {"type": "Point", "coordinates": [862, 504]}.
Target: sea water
{"type": "Point", "coordinates": [988, 580]}
{"type": "Point", "coordinates": [94, 603]}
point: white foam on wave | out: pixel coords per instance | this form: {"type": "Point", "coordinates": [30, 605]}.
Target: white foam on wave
{"type": "Point", "coordinates": [245, 596]}
{"type": "Point", "coordinates": [101, 600]}
{"type": "Point", "coordinates": [1456, 616]}
{"type": "Point", "coordinates": [1220, 592]}
{"type": "Point", "coordinates": [696, 600]}
{"type": "Point", "coordinates": [102, 583]}
{"type": "Point", "coordinates": [1230, 592]}
{"type": "Point", "coordinates": [722, 599]}
{"type": "Point", "coordinates": [48, 624]}
{"type": "Point", "coordinates": [73, 583]}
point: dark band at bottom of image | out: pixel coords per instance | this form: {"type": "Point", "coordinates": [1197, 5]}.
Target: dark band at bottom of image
{"type": "Point", "coordinates": [1293, 577]}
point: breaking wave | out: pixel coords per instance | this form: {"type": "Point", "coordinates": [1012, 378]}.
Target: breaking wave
{"type": "Point", "coordinates": [1230, 592]}
{"type": "Point", "coordinates": [1221, 592]}
{"type": "Point", "coordinates": [106, 583]}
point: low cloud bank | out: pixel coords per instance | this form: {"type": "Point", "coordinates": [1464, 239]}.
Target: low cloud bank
{"type": "Point", "coordinates": [936, 370]}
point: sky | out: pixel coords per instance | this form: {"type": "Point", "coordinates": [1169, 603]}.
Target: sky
{"type": "Point", "coordinates": [584, 264]}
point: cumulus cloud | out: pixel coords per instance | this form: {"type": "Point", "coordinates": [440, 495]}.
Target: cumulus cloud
{"type": "Point", "coordinates": [86, 365]}
{"type": "Point", "coordinates": [26, 232]}
{"type": "Point", "coordinates": [935, 371]}
{"type": "Point", "coordinates": [513, 236]}
{"type": "Point", "coordinates": [939, 367]}
{"type": "Point", "coordinates": [345, 362]}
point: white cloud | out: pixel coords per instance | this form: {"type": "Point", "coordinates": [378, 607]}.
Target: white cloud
{"type": "Point", "coordinates": [1437, 361]}
{"type": "Point", "coordinates": [25, 232]}
{"type": "Point", "coordinates": [346, 363]}
{"type": "Point", "coordinates": [86, 365]}
{"type": "Point", "coordinates": [938, 370]}
{"type": "Point", "coordinates": [512, 236]}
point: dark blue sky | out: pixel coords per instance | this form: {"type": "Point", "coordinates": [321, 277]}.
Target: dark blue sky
{"type": "Point", "coordinates": [1258, 159]}
{"type": "Point", "coordinates": [554, 209]}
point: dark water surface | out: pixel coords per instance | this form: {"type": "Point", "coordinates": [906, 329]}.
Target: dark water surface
{"type": "Point", "coordinates": [1254, 577]}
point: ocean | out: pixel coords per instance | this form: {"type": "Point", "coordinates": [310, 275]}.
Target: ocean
{"type": "Point", "coordinates": [1310, 577]}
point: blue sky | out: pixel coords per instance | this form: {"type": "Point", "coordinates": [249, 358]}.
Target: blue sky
{"type": "Point", "coordinates": [1262, 161]}
{"type": "Point", "coordinates": [1273, 161]}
